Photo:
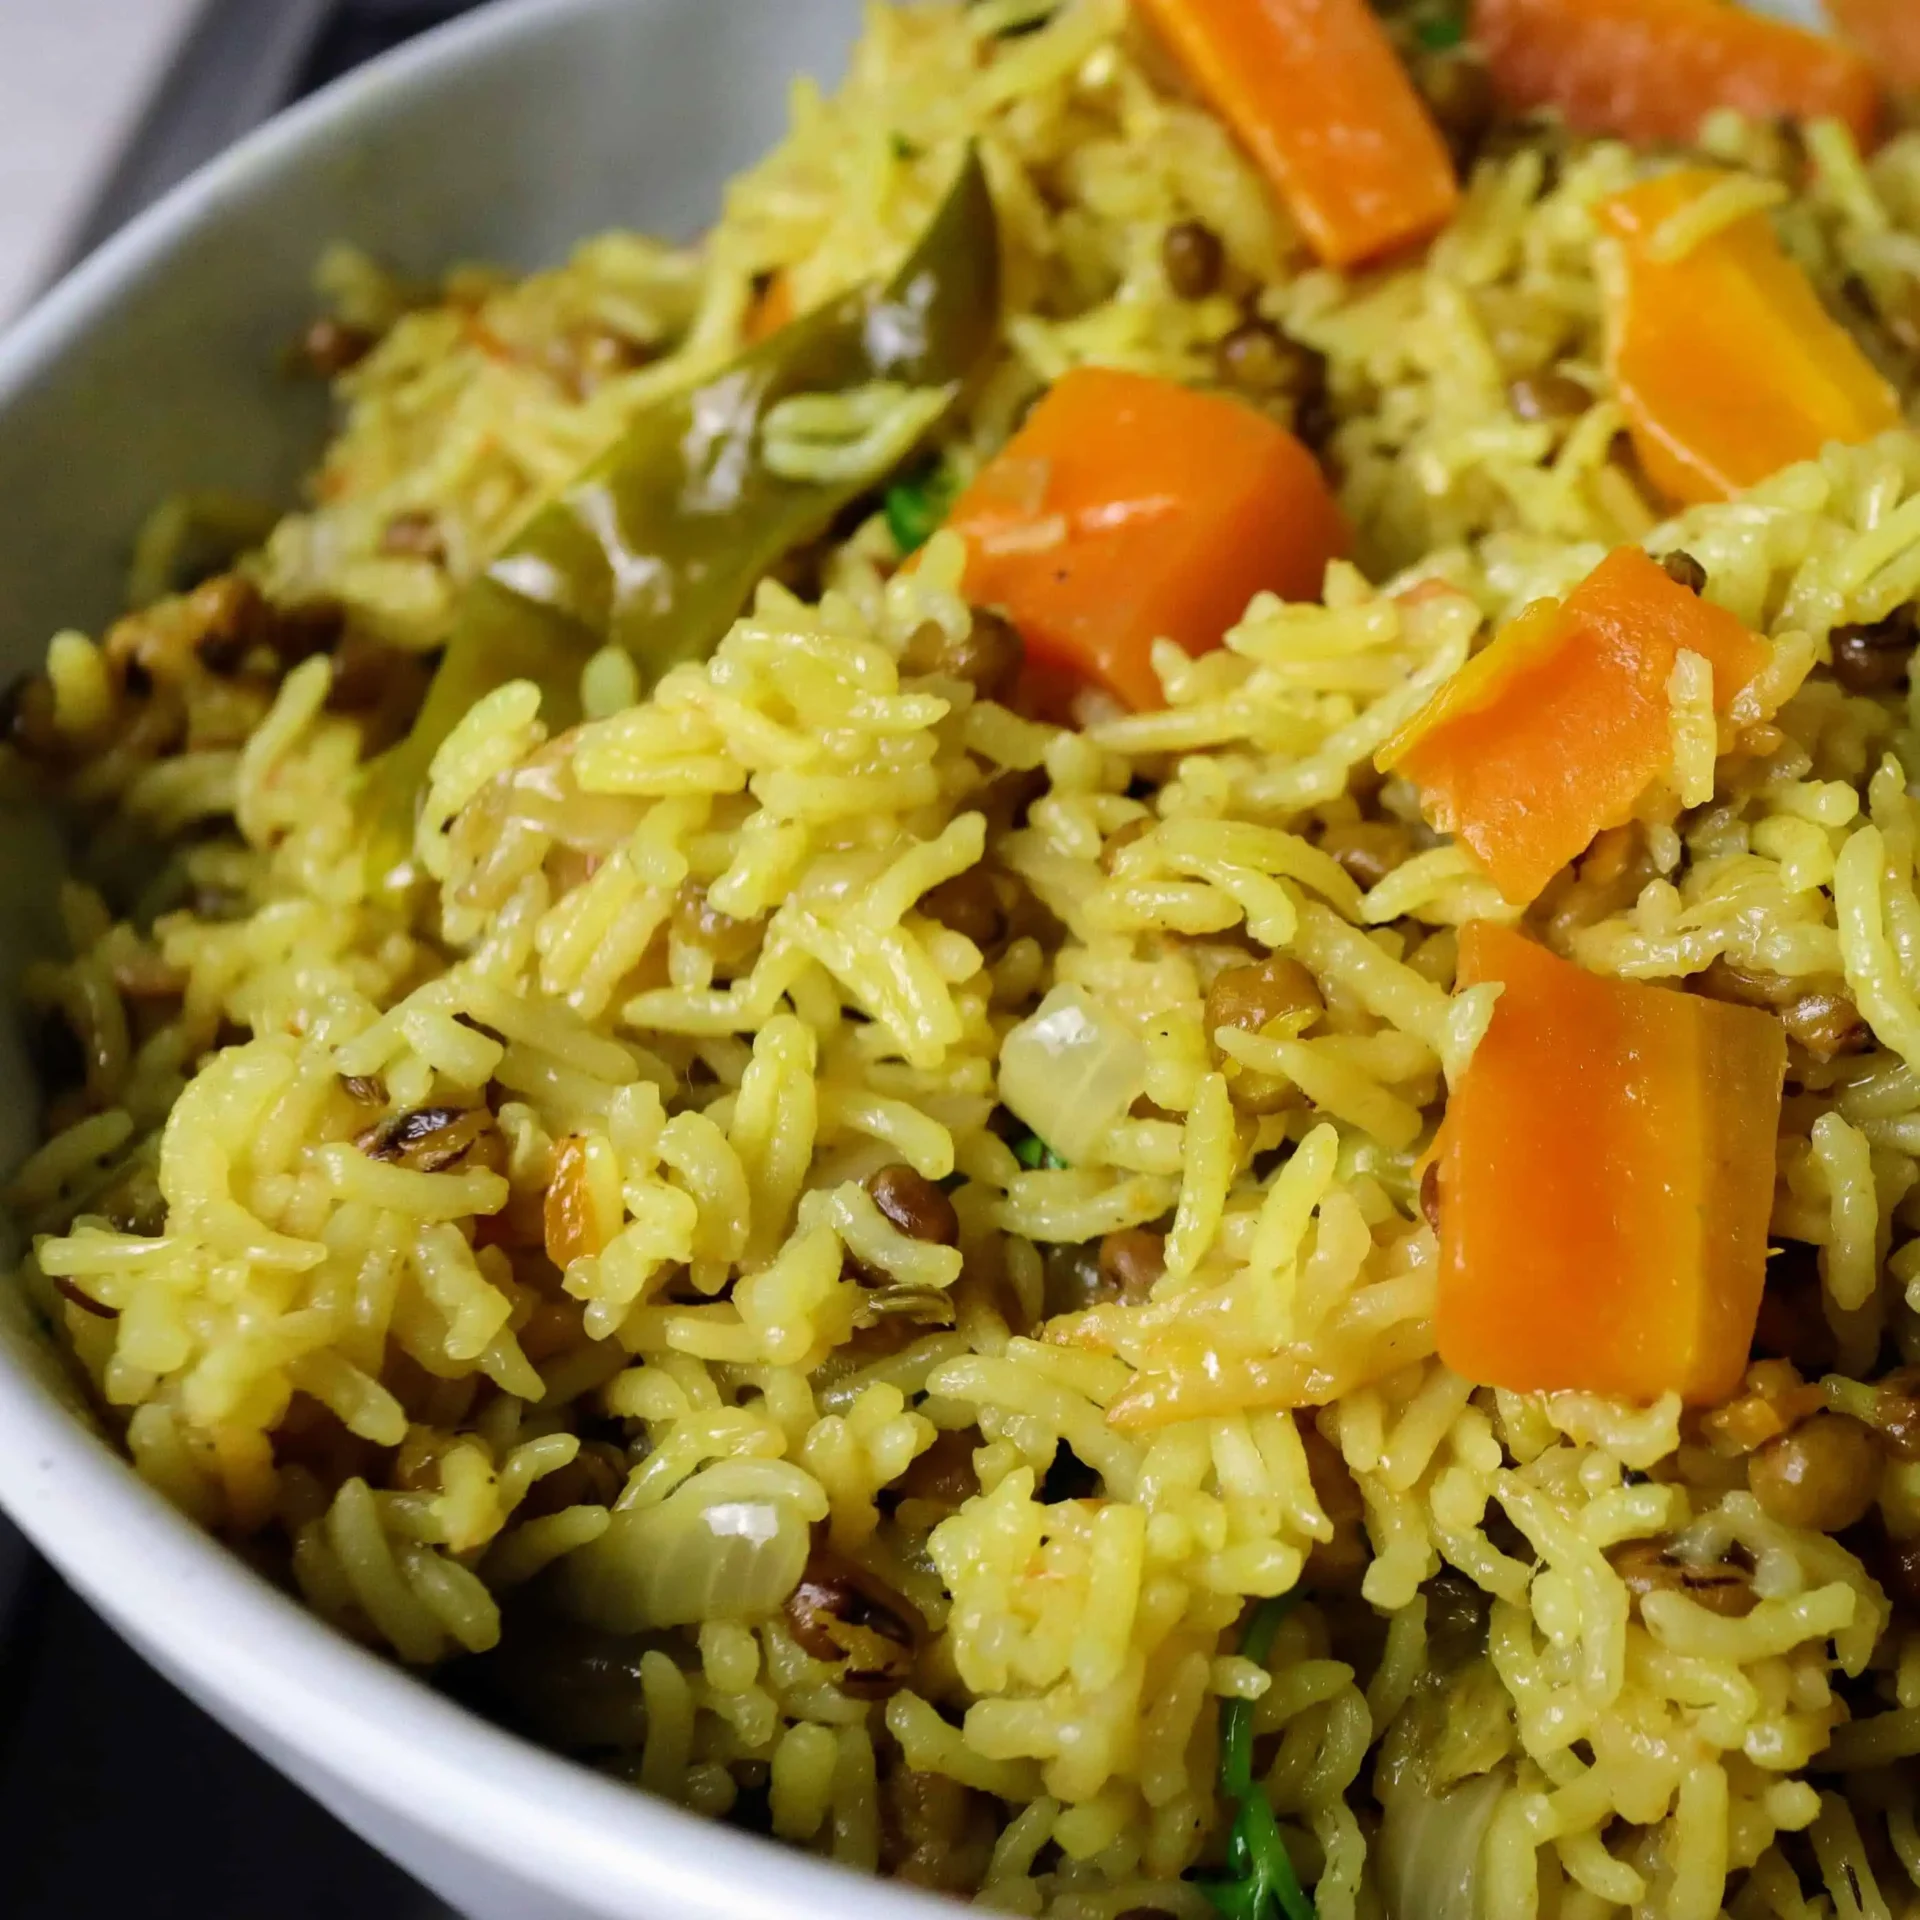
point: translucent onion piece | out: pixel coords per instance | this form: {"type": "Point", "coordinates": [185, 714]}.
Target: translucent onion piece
{"type": "Point", "coordinates": [1070, 1071]}
{"type": "Point", "coordinates": [1430, 1845]}
{"type": "Point", "coordinates": [701, 1554]}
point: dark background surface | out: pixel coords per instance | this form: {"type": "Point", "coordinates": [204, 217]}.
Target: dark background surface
{"type": "Point", "coordinates": [117, 1796]}
{"type": "Point", "coordinates": [356, 30]}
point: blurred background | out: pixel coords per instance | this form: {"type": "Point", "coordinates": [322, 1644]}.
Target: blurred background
{"type": "Point", "coordinates": [104, 104]}
{"type": "Point", "coordinates": [116, 1796]}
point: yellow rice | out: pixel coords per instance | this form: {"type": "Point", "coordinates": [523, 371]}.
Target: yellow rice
{"type": "Point", "coordinates": [312, 1352]}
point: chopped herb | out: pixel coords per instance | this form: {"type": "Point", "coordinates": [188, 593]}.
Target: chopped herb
{"type": "Point", "coordinates": [915, 508]}
{"type": "Point", "coordinates": [1033, 1153]}
{"type": "Point", "coordinates": [903, 148]}
{"type": "Point", "coordinates": [1257, 1852]}
{"type": "Point", "coordinates": [1236, 1716]}
{"type": "Point", "coordinates": [1264, 1880]}
{"type": "Point", "coordinates": [1441, 31]}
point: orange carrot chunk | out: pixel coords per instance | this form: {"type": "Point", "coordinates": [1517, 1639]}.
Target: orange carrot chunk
{"type": "Point", "coordinates": [1727, 365]}
{"type": "Point", "coordinates": [1651, 70]}
{"type": "Point", "coordinates": [1888, 31]}
{"type": "Point", "coordinates": [1557, 728]}
{"type": "Point", "coordinates": [1129, 509]}
{"type": "Point", "coordinates": [1606, 1176]}
{"type": "Point", "coordinates": [1316, 95]}
{"type": "Point", "coordinates": [771, 309]}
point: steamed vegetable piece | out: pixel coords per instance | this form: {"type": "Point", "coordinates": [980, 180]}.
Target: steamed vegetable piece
{"type": "Point", "coordinates": [728, 1544]}
{"type": "Point", "coordinates": [1606, 1175]}
{"type": "Point", "coordinates": [771, 310]}
{"type": "Point", "coordinates": [1443, 1767]}
{"type": "Point", "coordinates": [1554, 731]}
{"type": "Point", "coordinates": [1889, 32]}
{"type": "Point", "coordinates": [1129, 509]}
{"type": "Point", "coordinates": [1652, 70]}
{"type": "Point", "coordinates": [1430, 1846]}
{"type": "Point", "coordinates": [1316, 95]}
{"type": "Point", "coordinates": [1071, 1070]}
{"type": "Point", "coordinates": [1727, 365]}
{"type": "Point", "coordinates": [657, 546]}
{"type": "Point", "coordinates": [1264, 1879]}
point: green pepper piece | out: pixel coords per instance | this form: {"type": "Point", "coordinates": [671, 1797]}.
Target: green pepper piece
{"type": "Point", "coordinates": [660, 543]}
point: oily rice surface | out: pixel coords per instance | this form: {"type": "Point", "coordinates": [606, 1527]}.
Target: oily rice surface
{"type": "Point", "coordinates": [456, 1261]}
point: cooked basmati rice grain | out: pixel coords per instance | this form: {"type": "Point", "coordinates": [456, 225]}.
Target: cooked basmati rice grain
{"type": "Point", "coordinates": [627, 1222]}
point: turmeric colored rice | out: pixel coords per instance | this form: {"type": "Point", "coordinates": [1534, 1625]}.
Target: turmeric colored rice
{"type": "Point", "coordinates": [652, 1273]}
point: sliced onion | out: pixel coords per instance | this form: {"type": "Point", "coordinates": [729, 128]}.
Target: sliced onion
{"type": "Point", "coordinates": [1070, 1071]}
{"type": "Point", "coordinates": [1430, 1845]}
{"type": "Point", "coordinates": [713, 1550]}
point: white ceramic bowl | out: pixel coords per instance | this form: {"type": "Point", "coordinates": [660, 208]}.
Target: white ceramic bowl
{"type": "Point", "coordinates": [504, 137]}
{"type": "Point", "coordinates": [152, 368]}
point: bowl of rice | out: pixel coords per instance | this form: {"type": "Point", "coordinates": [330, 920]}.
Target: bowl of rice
{"type": "Point", "coordinates": [973, 952]}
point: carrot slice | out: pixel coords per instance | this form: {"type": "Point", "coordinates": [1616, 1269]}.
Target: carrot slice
{"type": "Point", "coordinates": [1651, 70]}
{"type": "Point", "coordinates": [1888, 30]}
{"type": "Point", "coordinates": [1606, 1179]}
{"type": "Point", "coordinates": [1129, 509]}
{"type": "Point", "coordinates": [1727, 365]}
{"type": "Point", "coordinates": [1316, 95]}
{"type": "Point", "coordinates": [1557, 728]}
{"type": "Point", "coordinates": [772, 308]}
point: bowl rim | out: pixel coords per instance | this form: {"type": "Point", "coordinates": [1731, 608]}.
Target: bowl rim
{"type": "Point", "coordinates": [192, 1605]}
